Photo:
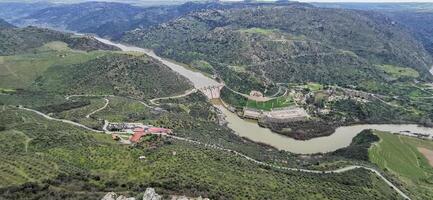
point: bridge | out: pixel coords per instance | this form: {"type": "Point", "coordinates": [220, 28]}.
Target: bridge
{"type": "Point", "coordinates": [212, 92]}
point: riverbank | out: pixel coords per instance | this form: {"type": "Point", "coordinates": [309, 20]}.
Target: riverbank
{"type": "Point", "coordinates": [342, 136]}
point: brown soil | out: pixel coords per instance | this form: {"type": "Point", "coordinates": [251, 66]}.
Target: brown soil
{"type": "Point", "coordinates": [428, 154]}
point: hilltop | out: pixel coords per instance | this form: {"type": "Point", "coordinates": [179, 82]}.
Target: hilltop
{"type": "Point", "coordinates": [20, 40]}
{"type": "Point", "coordinates": [118, 74]}
{"type": "Point", "coordinates": [5, 24]}
{"type": "Point", "coordinates": [261, 46]}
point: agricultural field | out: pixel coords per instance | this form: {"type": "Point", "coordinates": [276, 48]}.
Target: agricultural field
{"type": "Point", "coordinates": [400, 156]}
{"type": "Point", "coordinates": [279, 102]}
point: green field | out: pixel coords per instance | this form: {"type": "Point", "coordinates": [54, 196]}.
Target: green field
{"type": "Point", "coordinates": [279, 102]}
{"type": "Point", "coordinates": [399, 156]}
{"type": "Point", "coordinates": [19, 71]}
{"type": "Point", "coordinates": [398, 72]}
{"type": "Point", "coordinates": [258, 31]}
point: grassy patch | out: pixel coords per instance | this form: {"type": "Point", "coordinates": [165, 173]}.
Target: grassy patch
{"type": "Point", "coordinates": [280, 102]}
{"type": "Point", "coordinates": [19, 71]}
{"type": "Point", "coordinates": [258, 31]}
{"type": "Point", "coordinates": [399, 155]}
{"type": "Point", "coordinates": [398, 72]}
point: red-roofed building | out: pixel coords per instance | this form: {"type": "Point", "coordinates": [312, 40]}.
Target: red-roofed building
{"type": "Point", "coordinates": [137, 136]}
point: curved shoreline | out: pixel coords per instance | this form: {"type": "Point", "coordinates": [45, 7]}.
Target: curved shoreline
{"type": "Point", "coordinates": [342, 136]}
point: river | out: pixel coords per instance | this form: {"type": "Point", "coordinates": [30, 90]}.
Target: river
{"type": "Point", "coordinates": [249, 129]}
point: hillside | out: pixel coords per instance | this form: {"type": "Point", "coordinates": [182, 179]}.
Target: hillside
{"type": "Point", "coordinates": [21, 40]}
{"type": "Point", "coordinates": [53, 160]}
{"type": "Point", "coordinates": [5, 24]}
{"type": "Point", "coordinates": [418, 22]}
{"type": "Point", "coordinates": [261, 46]}
{"type": "Point", "coordinates": [118, 74]}
{"type": "Point", "coordinates": [112, 19]}
{"type": "Point", "coordinates": [15, 10]}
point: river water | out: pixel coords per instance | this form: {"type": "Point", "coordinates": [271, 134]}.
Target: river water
{"type": "Point", "coordinates": [249, 129]}
{"type": "Point", "coordinates": [197, 79]}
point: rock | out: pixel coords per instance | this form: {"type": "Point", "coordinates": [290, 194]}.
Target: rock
{"type": "Point", "coordinates": [150, 194]}
{"type": "Point", "coordinates": [110, 196]}
{"type": "Point", "coordinates": [121, 197]}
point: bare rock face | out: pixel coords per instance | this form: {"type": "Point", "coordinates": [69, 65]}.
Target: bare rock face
{"type": "Point", "coordinates": [110, 196]}
{"type": "Point", "coordinates": [150, 194]}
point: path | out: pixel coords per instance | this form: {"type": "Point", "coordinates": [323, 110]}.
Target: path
{"type": "Point", "coordinates": [186, 93]}
{"type": "Point", "coordinates": [341, 170]}
{"type": "Point", "coordinates": [200, 82]}
{"type": "Point", "coordinates": [59, 120]}
{"type": "Point", "coordinates": [99, 109]}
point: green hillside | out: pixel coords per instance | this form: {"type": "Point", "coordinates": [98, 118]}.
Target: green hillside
{"type": "Point", "coordinates": [400, 156]}
{"type": "Point", "coordinates": [258, 47]}
{"type": "Point", "coordinates": [66, 162]}
{"type": "Point", "coordinates": [25, 40]}
{"type": "Point", "coordinates": [118, 74]}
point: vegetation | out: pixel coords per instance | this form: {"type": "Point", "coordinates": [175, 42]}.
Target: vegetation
{"type": "Point", "coordinates": [279, 102]}
{"type": "Point", "coordinates": [342, 48]}
{"type": "Point", "coordinates": [359, 147]}
{"type": "Point", "coordinates": [68, 162]}
{"type": "Point", "coordinates": [118, 74]}
{"type": "Point", "coordinates": [20, 71]}
{"type": "Point", "coordinates": [399, 156]}
{"type": "Point", "coordinates": [24, 40]}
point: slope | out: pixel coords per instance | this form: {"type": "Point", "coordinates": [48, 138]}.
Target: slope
{"type": "Point", "coordinates": [118, 74]}
{"type": "Point", "coordinates": [23, 40]}
{"type": "Point", "coordinates": [261, 46]}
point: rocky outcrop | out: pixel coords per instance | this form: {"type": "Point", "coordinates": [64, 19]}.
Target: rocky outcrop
{"type": "Point", "coordinates": [150, 194]}
{"type": "Point", "coordinates": [113, 196]}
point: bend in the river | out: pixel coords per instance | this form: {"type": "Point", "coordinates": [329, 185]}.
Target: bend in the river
{"type": "Point", "coordinates": [341, 138]}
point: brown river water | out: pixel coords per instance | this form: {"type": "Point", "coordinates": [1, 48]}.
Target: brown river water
{"type": "Point", "coordinates": [249, 129]}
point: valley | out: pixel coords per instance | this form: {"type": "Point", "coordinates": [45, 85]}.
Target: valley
{"type": "Point", "coordinates": [214, 100]}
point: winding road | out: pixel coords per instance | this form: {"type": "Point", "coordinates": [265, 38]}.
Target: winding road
{"type": "Point", "coordinates": [341, 170]}
{"type": "Point", "coordinates": [199, 83]}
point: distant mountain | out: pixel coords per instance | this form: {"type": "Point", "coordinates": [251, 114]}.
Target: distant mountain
{"type": "Point", "coordinates": [5, 24]}
{"type": "Point", "coordinates": [21, 40]}
{"type": "Point", "coordinates": [109, 19]}
{"type": "Point", "coordinates": [378, 6]}
{"type": "Point", "coordinates": [259, 46]}
{"type": "Point", "coordinates": [15, 10]}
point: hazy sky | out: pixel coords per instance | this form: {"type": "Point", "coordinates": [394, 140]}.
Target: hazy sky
{"type": "Point", "coordinates": [166, 1]}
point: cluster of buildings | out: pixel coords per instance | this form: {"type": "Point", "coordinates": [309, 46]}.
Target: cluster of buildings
{"type": "Point", "coordinates": [136, 130]}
